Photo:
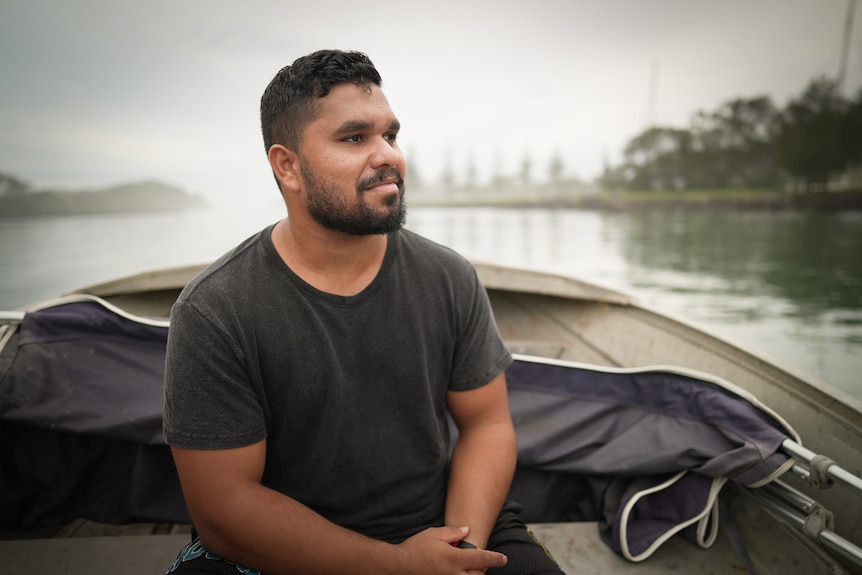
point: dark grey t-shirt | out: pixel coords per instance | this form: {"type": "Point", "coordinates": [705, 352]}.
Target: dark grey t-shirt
{"type": "Point", "coordinates": [349, 392]}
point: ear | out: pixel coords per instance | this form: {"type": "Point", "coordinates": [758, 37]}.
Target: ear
{"type": "Point", "coordinates": [285, 166]}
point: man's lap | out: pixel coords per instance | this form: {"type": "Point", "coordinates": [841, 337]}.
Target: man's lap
{"type": "Point", "coordinates": [510, 536]}
{"type": "Point", "coordinates": [527, 556]}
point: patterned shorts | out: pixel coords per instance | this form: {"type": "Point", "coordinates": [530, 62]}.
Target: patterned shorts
{"type": "Point", "coordinates": [194, 558]}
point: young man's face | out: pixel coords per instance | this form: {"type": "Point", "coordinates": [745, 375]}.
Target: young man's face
{"type": "Point", "coordinates": [352, 168]}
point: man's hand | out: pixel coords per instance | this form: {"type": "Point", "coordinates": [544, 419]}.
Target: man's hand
{"type": "Point", "coordinates": [433, 552]}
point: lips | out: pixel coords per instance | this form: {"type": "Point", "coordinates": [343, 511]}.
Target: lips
{"type": "Point", "coordinates": [386, 181]}
{"type": "Point", "coordinates": [389, 185]}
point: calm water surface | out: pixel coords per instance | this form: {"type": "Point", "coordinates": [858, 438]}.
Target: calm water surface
{"type": "Point", "coordinates": [788, 285]}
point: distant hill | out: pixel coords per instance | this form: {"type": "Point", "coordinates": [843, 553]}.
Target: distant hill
{"type": "Point", "coordinates": [18, 198]}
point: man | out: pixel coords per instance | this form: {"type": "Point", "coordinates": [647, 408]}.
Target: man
{"type": "Point", "coordinates": [309, 370]}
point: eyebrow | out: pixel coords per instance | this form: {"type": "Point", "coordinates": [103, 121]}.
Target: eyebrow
{"type": "Point", "coordinates": [363, 126]}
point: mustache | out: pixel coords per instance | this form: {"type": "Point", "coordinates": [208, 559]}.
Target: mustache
{"type": "Point", "coordinates": [381, 176]}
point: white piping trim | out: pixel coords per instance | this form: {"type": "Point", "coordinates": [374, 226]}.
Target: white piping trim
{"type": "Point", "coordinates": [709, 509]}
{"type": "Point", "coordinates": [75, 298]}
{"type": "Point", "coordinates": [704, 540]}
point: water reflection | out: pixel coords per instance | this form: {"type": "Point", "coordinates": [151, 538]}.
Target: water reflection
{"type": "Point", "coordinates": [787, 285]}
{"type": "Point", "coordinates": [564, 241]}
{"type": "Point", "coordinates": [812, 260]}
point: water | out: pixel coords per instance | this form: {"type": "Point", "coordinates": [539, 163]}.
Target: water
{"type": "Point", "coordinates": [787, 285]}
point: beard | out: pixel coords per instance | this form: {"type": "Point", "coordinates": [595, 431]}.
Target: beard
{"type": "Point", "coordinates": [356, 218]}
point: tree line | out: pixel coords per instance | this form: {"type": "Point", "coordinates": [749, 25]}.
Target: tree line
{"type": "Point", "coordinates": [749, 143]}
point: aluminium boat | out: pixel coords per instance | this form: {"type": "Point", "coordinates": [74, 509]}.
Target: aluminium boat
{"type": "Point", "coordinates": [646, 444]}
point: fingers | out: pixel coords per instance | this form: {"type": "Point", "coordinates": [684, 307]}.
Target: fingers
{"type": "Point", "coordinates": [480, 561]}
{"type": "Point", "coordinates": [477, 561]}
{"type": "Point", "coordinates": [451, 535]}
{"type": "Point", "coordinates": [486, 559]}
{"type": "Point", "coordinates": [426, 554]}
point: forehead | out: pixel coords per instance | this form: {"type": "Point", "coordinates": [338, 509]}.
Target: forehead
{"type": "Point", "coordinates": [349, 103]}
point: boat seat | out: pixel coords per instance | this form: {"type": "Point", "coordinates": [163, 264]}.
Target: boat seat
{"type": "Point", "coordinates": [127, 554]}
{"type": "Point", "coordinates": [577, 547]}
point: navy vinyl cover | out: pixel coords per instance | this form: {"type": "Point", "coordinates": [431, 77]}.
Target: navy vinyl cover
{"type": "Point", "coordinates": [80, 420]}
{"type": "Point", "coordinates": [645, 451]}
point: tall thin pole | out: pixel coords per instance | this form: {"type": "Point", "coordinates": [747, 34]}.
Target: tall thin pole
{"type": "Point", "coordinates": [848, 28]}
{"type": "Point", "coordinates": [653, 95]}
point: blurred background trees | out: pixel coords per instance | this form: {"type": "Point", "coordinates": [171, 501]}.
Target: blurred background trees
{"type": "Point", "coordinates": [749, 143]}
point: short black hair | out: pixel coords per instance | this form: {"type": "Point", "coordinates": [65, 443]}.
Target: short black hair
{"type": "Point", "coordinates": [289, 102]}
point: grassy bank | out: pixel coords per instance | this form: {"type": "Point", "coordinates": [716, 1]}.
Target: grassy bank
{"type": "Point", "coordinates": [717, 199]}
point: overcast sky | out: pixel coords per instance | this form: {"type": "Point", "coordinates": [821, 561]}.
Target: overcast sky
{"type": "Point", "coordinates": [100, 92]}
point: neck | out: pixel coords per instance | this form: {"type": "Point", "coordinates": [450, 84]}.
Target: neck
{"type": "Point", "coordinates": [332, 262]}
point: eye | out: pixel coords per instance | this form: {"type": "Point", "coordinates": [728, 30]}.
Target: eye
{"type": "Point", "coordinates": [356, 138]}
{"type": "Point", "coordinates": [391, 137]}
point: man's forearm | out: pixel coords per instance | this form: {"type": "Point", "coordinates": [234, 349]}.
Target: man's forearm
{"type": "Point", "coordinates": [244, 522]}
{"type": "Point", "coordinates": [483, 463]}
{"type": "Point", "coordinates": [278, 535]}
{"type": "Point", "coordinates": [270, 532]}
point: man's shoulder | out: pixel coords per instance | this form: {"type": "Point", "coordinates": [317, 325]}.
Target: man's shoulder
{"type": "Point", "coordinates": [425, 261]}
{"type": "Point", "coordinates": [429, 250]}
{"type": "Point", "coordinates": [230, 273]}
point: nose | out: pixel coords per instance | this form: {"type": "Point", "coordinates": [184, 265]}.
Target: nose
{"type": "Point", "coordinates": [386, 153]}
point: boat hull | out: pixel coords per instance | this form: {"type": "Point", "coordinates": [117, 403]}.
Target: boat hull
{"type": "Point", "coordinates": [563, 318]}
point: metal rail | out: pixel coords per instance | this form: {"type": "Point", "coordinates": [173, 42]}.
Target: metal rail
{"type": "Point", "coordinates": [820, 471]}
{"type": "Point", "coordinates": [11, 316]}
{"type": "Point", "coordinates": [807, 515]}
{"type": "Point", "coordinates": [9, 321]}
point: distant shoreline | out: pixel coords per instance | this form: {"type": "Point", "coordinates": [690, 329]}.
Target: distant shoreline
{"type": "Point", "coordinates": [672, 200]}
{"type": "Point", "coordinates": [150, 196]}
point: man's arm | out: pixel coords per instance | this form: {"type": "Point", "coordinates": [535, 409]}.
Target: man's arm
{"type": "Point", "coordinates": [241, 520]}
{"type": "Point", "coordinates": [484, 458]}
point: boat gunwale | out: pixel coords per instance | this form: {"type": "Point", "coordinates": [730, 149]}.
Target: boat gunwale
{"type": "Point", "coordinates": [530, 281]}
{"type": "Point", "coordinates": [572, 288]}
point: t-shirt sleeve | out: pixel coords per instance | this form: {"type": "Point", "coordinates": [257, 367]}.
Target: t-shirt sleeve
{"type": "Point", "coordinates": [480, 354]}
{"type": "Point", "coordinates": [209, 401]}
